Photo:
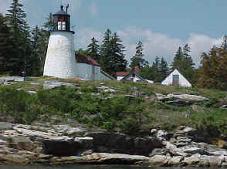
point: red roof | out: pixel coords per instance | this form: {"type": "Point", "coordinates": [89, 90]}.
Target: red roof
{"type": "Point", "coordinates": [122, 73]}
{"type": "Point", "coordinates": [86, 59]}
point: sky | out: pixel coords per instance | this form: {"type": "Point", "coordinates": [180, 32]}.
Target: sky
{"type": "Point", "coordinates": [162, 25]}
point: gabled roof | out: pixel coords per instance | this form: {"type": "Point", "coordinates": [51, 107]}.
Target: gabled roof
{"type": "Point", "coordinates": [182, 80]}
{"type": "Point", "coordinates": [80, 58]}
{"type": "Point", "coordinates": [135, 74]}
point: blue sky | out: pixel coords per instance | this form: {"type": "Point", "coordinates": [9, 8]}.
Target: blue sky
{"type": "Point", "coordinates": [162, 25]}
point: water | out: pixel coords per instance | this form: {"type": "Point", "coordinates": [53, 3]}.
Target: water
{"type": "Point", "coordinates": [80, 167]}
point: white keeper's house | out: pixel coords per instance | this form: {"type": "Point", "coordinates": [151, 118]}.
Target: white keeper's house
{"type": "Point", "coordinates": [61, 60]}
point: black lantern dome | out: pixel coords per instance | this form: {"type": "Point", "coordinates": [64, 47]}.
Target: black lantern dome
{"type": "Point", "coordinates": [61, 20]}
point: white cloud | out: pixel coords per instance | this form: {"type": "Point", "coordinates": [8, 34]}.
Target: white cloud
{"type": "Point", "coordinates": [4, 6]}
{"type": "Point", "coordinates": [201, 43]}
{"type": "Point", "coordinates": [83, 37]}
{"type": "Point", "coordinates": [155, 44]}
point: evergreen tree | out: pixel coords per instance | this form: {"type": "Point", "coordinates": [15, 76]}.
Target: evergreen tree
{"type": "Point", "coordinates": [118, 60]}
{"type": "Point", "coordinates": [184, 63]}
{"type": "Point", "coordinates": [178, 59]}
{"type": "Point", "coordinates": [147, 72]}
{"type": "Point", "coordinates": [39, 45]}
{"type": "Point", "coordinates": [105, 52]}
{"type": "Point", "coordinates": [6, 46]}
{"type": "Point", "coordinates": [20, 34]}
{"type": "Point", "coordinates": [93, 49]}
{"type": "Point", "coordinates": [49, 24]}
{"type": "Point", "coordinates": [213, 72]}
{"type": "Point", "coordinates": [137, 59]}
{"type": "Point", "coordinates": [164, 69]}
{"type": "Point", "coordinates": [157, 72]}
{"type": "Point", "coordinates": [112, 53]}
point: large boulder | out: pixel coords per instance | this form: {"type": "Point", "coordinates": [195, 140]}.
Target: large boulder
{"type": "Point", "coordinates": [100, 158]}
{"type": "Point", "coordinates": [51, 84]}
{"type": "Point", "coordinates": [192, 160]}
{"type": "Point", "coordinates": [67, 147]}
{"type": "Point", "coordinates": [215, 160]}
{"type": "Point", "coordinates": [21, 143]}
{"type": "Point", "coordinates": [181, 99]}
{"type": "Point", "coordinates": [175, 161]}
{"type": "Point", "coordinates": [5, 126]}
{"type": "Point", "coordinates": [121, 143]}
{"type": "Point", "coordinates": [159, 160]}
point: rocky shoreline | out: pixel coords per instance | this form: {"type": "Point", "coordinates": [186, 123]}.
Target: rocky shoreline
{"type": "Point", "coordinates": [64, 144]}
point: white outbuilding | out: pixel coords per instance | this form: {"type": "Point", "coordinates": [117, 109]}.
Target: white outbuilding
{"type": "Point", "coordinates": [176, 79]}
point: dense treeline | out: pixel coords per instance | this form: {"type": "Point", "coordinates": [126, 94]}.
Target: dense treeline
{"type": "Point", "coordinates": [23, 51]}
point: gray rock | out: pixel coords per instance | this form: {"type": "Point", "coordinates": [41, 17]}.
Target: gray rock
{"type": "Point", "coordinates": [192, 160]}
{"type": "Point", "coordinates": [159, 151]}
{"type": "Point", "coordinates": [174, 150]}
{"type": "Point", "coordinates": [175, 161]}
{"type": "Point", "coordinates": [188, 97]}
{"type": "Point", "coordinates": [215, 161]}
{"type": "Point", "coordinates": [204, 161]}
{"type": "Point", "coordinates": [162, 135]}
{"type": "Point", "coordinates": [193, 150]}
{"type": "Point", "coordinates": [159, 160]}
{"type": "Point", "coordinates": [5, 126]}
{"type": "Point", "coordinates": [224, 164]}
{"type": "Point", "coordinates": [69, 131]}
{"type": "Point", "coordinates": [55, 84]}
{"type": "Point", "coordinates": [11, 79]}
{"type": "Point", "coordinates": [100, 158]}
{"type": "Point", "coordinates": [121, 143]}
{"type": "Point", "coordinates": [2, 142]}
{"type": "Point", "coordinates": [67, 147]}
{"type": "Point", "coordinates": [218, 152]}
{"type": "Point", "coordinates": [180, 99]}
{"type": "Point", "coordinates": [21, 143]}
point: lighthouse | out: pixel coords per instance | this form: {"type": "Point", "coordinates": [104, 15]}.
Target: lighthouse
{"type": "Point", "coordinates": [60, 58]}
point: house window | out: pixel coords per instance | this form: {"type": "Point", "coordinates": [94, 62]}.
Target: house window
{"type": "Point", "coordinates": [176, 80]}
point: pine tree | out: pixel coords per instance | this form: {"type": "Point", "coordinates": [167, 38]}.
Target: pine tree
{"type": "Point", "coordinates": [39, 45]}
{"type": "Point", "coordinates": [178, 59]}
{"type": "Point", "coordinates": [105, 52]}
{"type": "Point", "coordinates": [49, 24]}
{"type": "Point", "coordinates": [164, 69]}
{"type": "Point", "coordinates": [147, 72]}
{"type": "Point", "coordinates": [112, 57]}
{"type": "Point", "coordinates": [137, 59]}
{"type": "Point", "coordinates": [184, 63]}
{"type": "Point", "coordinates": [6, 46]}
{"type": "Point", "coordinates": [119, 62]}
{"type": "Point", "coordinates": [157, 72]}
{"type": "Point", "coordinates": [93, 49]}
{"type": "Point", "coordinates": [21, 36]}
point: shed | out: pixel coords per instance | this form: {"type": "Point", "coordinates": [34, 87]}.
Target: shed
{"type": "Point", "coordinates": [176, 79]}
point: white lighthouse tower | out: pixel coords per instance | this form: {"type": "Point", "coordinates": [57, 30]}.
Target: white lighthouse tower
{"type": "Point", "coordinates": [60, 58]}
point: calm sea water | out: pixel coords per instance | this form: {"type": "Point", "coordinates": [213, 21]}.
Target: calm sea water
{"type": "Point", "coordinates": [79, 167]}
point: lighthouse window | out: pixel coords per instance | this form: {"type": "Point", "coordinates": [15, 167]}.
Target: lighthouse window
{"type": "Point", "coordinates": [59, 25]}
{"type": "Point", "coordinates": [62, 26]}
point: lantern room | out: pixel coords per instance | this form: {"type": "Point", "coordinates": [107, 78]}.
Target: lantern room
{"type": "Point", "coordinates": [61, 20]}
